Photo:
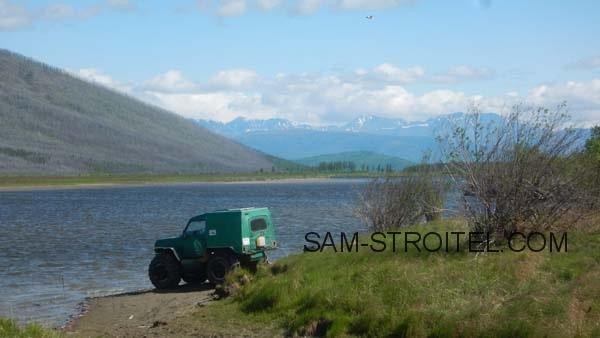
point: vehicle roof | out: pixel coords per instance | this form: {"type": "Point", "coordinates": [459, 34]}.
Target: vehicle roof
{"type": "Point", "coordinates": [235, 210]}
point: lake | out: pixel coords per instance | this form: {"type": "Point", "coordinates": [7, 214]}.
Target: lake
{"type": "Point", "coordinates": [60, 246]}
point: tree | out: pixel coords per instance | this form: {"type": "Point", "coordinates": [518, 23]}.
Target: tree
{"type": "Point", "coordinates": [516, 174]}
{"type": "Point", "coordinates": [393, 202]}
{"type": "Point", "coordinates": [592, 152]}
{"type": "Point", "coordinates": [592, 145]}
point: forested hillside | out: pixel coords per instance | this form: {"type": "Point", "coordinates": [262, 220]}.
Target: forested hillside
{"type": "Point", "coordinates": [362, 160]}
{"type": "Point", "coordinates": [53, 123]}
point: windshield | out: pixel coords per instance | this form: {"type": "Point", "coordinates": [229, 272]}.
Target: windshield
{"type": "Point", "coordinates": [195, 226]}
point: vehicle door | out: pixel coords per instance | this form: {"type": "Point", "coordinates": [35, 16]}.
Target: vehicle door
{"type": "Point", "coordinates": [194, 238]}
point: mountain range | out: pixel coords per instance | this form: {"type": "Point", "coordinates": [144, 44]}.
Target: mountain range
{"type": "Point", "coordinates": [370, 133]}
{"type": "Point", "coordinates": [54, 123]}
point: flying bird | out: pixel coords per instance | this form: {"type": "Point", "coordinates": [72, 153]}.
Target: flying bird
{"type": "Point", "coordinates": [370, 17]}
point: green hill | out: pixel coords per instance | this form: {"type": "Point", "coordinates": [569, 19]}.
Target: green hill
{"type": "Point", "coordinates": [53, 123]}
{"type": "Point", "coordinates": [360, 158]}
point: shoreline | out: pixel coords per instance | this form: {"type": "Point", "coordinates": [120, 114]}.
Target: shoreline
{"type": "Point", "coordinates": [181, 312]}
{"type": "Point", "coordinates": [136, 184]}
{"type": "Point", "coordinates": [83, 307]}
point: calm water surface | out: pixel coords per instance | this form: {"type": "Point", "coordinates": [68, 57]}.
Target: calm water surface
{"type": "Point", "coordinates": [60, 246]}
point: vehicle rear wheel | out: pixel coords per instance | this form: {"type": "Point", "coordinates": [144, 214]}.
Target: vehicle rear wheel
{"type": "Point", "coordinates": [164, 271]}
{"type": "Point", "coordinates": [218, 266]}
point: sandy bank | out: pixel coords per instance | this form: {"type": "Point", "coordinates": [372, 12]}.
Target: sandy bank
{"type": "Point", "coordinates": [184, 312]}
{"type": "Point", "coordinates": [145, 313]}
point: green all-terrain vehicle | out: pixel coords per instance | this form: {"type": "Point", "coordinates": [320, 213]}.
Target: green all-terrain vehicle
{"type": "Point", "coordinates": [211, 245]}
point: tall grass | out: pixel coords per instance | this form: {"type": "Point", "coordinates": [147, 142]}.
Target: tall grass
{"type": "Point", "coordinates": [439, 294]}
{"type": "Point", "coordinates": [9, 328]}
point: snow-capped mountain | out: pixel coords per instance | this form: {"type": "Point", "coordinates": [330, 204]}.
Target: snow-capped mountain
{"type": "Point", "coordinates": [242, 125]}
{"type": "Point", "coordinates": [361, 124]}
{"type": "Point", "coordinates": [292, 140]}
{"type": "Point", "coordinates": [367, 123]}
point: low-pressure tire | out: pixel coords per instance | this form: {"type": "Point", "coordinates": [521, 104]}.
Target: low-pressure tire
{"type": "Point", "coordinates": [164, 271]}
{"type": "Point", "coordinates": [218, 266]}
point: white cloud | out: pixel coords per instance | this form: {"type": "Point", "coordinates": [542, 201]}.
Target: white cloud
{"type": "Point", "coordinates": [337, 97]}
{"type": "Point", "coordinates": [306, 7]}
{"type": "Point", "coordinates": [172, 81]}
{"type": "Point", "coordinates": [370, 4]}
{"type": "Point", "coordinates": [120, 4]}
{"type": "Point", "coordinates": [583, 98]}
{"type": "Point", "coordinates": [268, 4]}
{"type": "Point", "coordinates": [464, 73]}
{"type": "Point", "coordinates": [389, 72]}
{"type": "Point", "coordinates": [13, 16]}
{"type": "Point", "coordinates": [232, 7]}
{"type": "Point", "coordinates": [58, 11]}
{"type": "Point", "coordinates": [586, 64]}
{"type": "Point", "coordinates": [96, 76]}
{"type": "Point", "coordinates": [223, 106]}
{"type": "Point", "coordinates": [311, 98]}
{"type": "Point", "coordinates": [234, 78]}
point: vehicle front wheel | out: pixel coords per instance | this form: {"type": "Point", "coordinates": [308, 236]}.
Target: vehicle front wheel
{"type": "Point", "coordinates": [218, 266]}
{"type": "Point", "coordinates": [164, 271]}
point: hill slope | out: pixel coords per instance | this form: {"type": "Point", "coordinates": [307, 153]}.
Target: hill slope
{"type": "Point", "coordinates": [360, 158]}
{"type": "Point", "coordinates": [54, 123]}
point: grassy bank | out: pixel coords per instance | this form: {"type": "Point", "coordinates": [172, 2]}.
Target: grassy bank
{"type": "Point", "coordinates": [9, 328]}
{"type": "Point", "coordinates": [421, 294]}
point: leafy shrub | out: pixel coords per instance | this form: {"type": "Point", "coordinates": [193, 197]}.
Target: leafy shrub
{"type": "Point", "coordinates": [521, 173]}
{"type": "Point", "coordinates": [394, 202]}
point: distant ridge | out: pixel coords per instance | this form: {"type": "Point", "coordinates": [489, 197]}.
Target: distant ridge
{"type": "Point", "coordinates": [382, 135]}
{"type": "Point", "coordinates": [54, 123]}
{"type": "Point", "coordinates": [370, 124]}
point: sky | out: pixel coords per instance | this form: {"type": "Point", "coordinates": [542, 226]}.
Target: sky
{"type": "Point", "coordinates": [322, 61]}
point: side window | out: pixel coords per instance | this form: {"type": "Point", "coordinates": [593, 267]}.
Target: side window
{"type": "Point", "coordinates": [195, 226]}
{"type": "Point", "coordinates": [258, 224]}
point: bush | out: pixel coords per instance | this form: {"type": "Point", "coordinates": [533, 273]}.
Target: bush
{"type": "Point", "coordinates": [592, 161]}
{"type": "Point", "coordinates": [521, 173]}
{"type": "Point", "coordinates": [394, 202]}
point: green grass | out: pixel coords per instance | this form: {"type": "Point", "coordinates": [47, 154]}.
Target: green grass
{"type": "Point", "coordinates": [429, 294]}
{"type": "Point", "coordinates": [9, 328]}
{"type": "Point", "coordinates": [221, 319]}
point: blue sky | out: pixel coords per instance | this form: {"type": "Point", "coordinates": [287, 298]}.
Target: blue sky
{"type": "Point", "coordinates": [321, 61]}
